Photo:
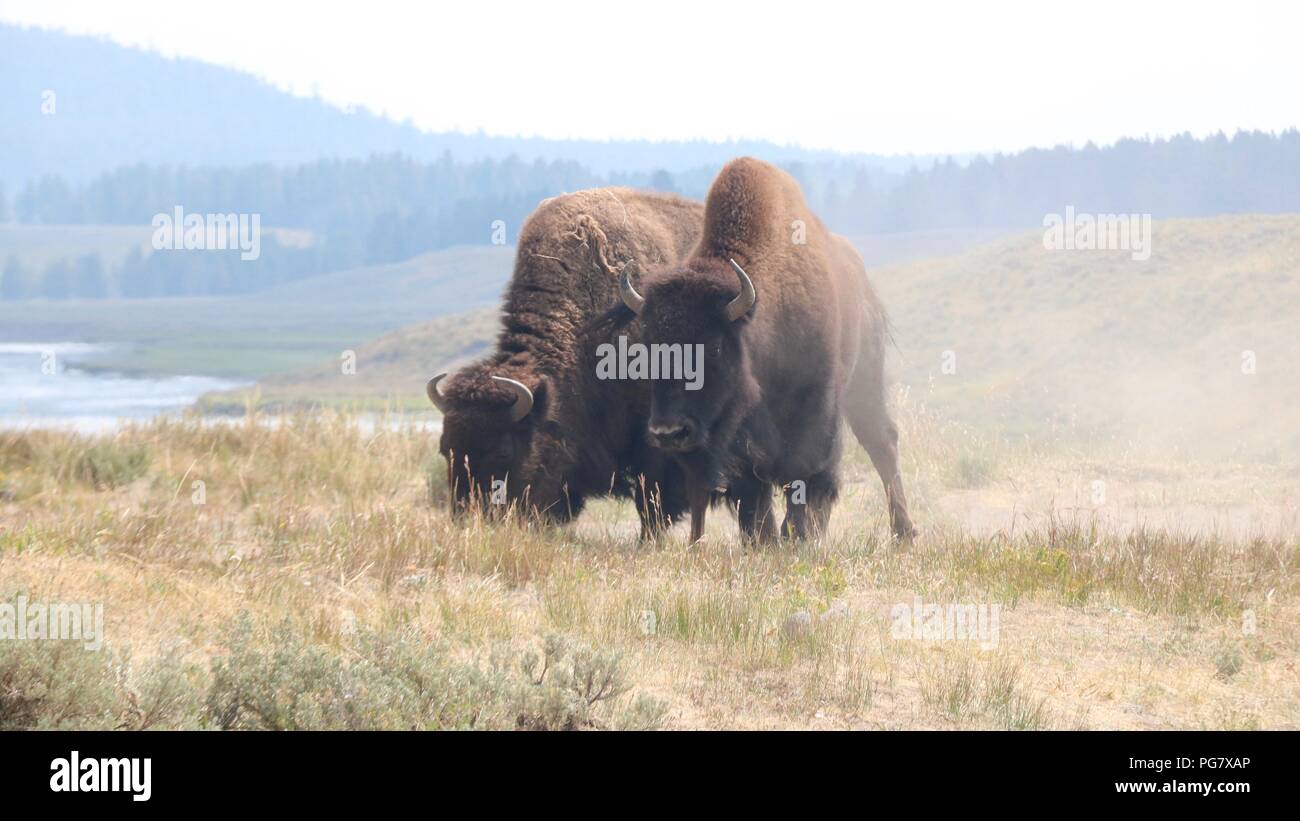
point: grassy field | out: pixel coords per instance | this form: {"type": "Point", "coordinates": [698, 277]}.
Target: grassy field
{"type": "Point", "coordinates": [305, 574]}
{"type": "Point", "coordinates": [1099, 479]}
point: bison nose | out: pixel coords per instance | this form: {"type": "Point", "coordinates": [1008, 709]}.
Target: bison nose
{"type": "Point", "coordinates": [678, 434]}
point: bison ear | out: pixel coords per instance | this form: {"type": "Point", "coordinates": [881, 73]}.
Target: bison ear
{"type": "Point", "coordinates": [542, 397]}
{"type": "Point", "coordinates": [541, 400]}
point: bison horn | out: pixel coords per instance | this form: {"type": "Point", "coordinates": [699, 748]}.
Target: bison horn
{"type": "Point", "coordinates": [740, 306]}
{"type": "Point", "coordinates": [436, 398]}
{"type": "Point", "coordinates": [523, 398]}
{"type": "Point", "coordinates": [634, 301]}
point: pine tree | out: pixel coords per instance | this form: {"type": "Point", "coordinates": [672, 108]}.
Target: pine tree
{"type": "Point", "coordinates": [88, 278]}
{"type": "Point", "coordinates": [58, 280]}
{"type": "Point", "coordinates": [13, 283]}
{"type": "Point", "coordinates": [663, 181]}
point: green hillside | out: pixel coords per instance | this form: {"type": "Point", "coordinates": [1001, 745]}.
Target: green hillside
{"type": "Point", "coordinates": [283, 329]}
{"type": "Point", "coordinates": [389, 372]}
{"type": "Point", "coordinates": [1096, 343]}
{"type": "Point", "coordinates": [468, 276]}
{"type": "Point", "coordinates": [1083, 345]}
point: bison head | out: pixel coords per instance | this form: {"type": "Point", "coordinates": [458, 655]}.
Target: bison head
{"type": "Point", "coordinates": [705, 308]}
{"type": "Point", "coordinates": [492, 432]}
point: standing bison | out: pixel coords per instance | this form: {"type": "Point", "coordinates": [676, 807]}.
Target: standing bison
{"type": "Point", "coordinates": [792, 337]}
{"type": "Point", "coordinates": [530, 425]}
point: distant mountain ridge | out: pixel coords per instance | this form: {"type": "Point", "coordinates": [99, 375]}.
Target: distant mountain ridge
{"type": "Point", "coordinates": [115, 105]}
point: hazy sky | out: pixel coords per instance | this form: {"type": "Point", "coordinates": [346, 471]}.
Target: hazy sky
{"type": "Point", "coordinates": [892, 77]}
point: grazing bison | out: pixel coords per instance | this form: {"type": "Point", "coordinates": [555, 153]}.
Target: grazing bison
{"type": "Point", "coordinates": [531, 424]}
{"type": "Point", "coordinates": [792, 338]}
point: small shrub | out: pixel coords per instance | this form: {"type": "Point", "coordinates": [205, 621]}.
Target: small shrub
{"type": "Point", "coordinates": [1228, 662]}
{"type": "Point", "coordinates": [973, 471]}
{"type": "Point", "coordinates": [275, 680]}
{"type": "Point", "coordinates": [52, 685]}
{"type": "Point", "coordinates": [963, 690]}
{"type": "Point", "coordinates": [438, 494]}
{"type": "Point", "coordinates": [278, 681]}
{"type": "Point", "coordinates": [18, 449]}
{"type": "Point", "coordinates": [569, 689]}
{"type": "Point", "coordinates": [108, 464]}
{"type": "Point", "coordinates": [164, 695]}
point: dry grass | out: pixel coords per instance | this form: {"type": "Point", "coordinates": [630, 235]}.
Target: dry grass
{"type": "Point", "coordinates": [305, 574]}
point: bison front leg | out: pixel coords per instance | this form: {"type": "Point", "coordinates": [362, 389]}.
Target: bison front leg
{"type": "Point", "coordinates": [808, 506]}
{"type": "Point", "coordinates": [698, 495]}
{"type": "Point", "coordinates": [753, 499]}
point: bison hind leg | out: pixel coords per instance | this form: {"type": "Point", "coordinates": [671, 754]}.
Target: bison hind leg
{"type": "Point", "coordinates": [869, 419]}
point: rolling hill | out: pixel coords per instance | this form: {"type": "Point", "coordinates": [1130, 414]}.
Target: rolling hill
{"type": "Point", "coordinates": [107, 113]}
{"type": "Point", "coordinates": [390, 372]}
{"type": "Point", "coordinates": [282, 329]}
{"type": "Point", "coordinates": [1096, 343]}
{"type": "Point", "coordinates": [470, 277]}
{"type": "Point", "coordinates": [1084, 345]}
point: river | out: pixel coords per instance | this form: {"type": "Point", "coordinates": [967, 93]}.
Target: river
{"type": "Point", "coordinates": [41, 386]}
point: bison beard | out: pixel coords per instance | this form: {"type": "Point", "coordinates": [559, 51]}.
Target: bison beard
{"type": "Point", "coordinates": [794, 341]}
{"type": "Point", "coordinates": [532, 414]}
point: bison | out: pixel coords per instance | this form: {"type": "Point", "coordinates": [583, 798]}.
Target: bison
{"type": "Point", "coordinates": [531, 424]}
{"type": "Point", "coordinates": [792, 338]}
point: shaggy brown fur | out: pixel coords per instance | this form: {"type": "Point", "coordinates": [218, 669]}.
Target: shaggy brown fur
{"type": "Point", "coordinates": [777, 381]}
{"type": "Point", "coordinates": [583, 435]}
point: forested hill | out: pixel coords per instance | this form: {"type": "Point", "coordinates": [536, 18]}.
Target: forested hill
{"type": "Point", "coordinates": [392, 207]}
{"type": "Point", "coordinates": [115, 106]}
{"type": "Point", "coordinates": [100, 136]}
